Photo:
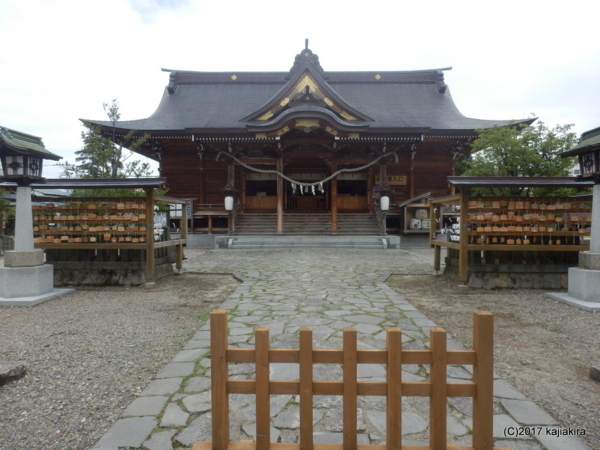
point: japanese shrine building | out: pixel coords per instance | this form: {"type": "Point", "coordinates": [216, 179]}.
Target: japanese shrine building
{"type": "Point", "coordinates": [304, 143]}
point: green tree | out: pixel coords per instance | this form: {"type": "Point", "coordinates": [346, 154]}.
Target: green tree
{"type": "Point", "coordinates": [520, 151]}
{"type": "Point", "coordinates": [102, 157]}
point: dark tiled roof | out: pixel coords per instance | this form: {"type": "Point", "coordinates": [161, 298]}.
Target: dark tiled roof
{"type": "Point", "coordinates": [213, 101]}
{"type": "Point", "coordinates": [587, 142]}
{"type": "Point", "coordinates": [25, 143]}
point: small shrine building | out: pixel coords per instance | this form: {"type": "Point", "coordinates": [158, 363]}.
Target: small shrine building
{"type": "Point", "coordinates": [304, 142]}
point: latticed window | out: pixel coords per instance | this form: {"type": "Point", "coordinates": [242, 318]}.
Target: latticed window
{"type": "Point", "coordinates": [588, 162]}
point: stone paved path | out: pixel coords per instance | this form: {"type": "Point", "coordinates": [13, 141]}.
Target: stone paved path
{"type": "Point", "coordinates": [327, 290]}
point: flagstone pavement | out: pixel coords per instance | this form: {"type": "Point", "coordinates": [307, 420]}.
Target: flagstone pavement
{"type": "Point", "coordinates": [326, 289]}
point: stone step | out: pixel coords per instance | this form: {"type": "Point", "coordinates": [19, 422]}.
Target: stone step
{"type": "Point", "coordinates": [307, 241]}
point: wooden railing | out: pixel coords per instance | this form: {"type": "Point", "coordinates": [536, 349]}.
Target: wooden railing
{"type": "Point", "coordinates": [394, 389]}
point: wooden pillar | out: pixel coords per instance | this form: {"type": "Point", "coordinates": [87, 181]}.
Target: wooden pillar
{"type": "Point", "coordinates": [350, 386]}
{"type": "Point", "coordinates": [243, 188]}
{"type": "Point", "coordinates": [210, 226]}
{"type": "Point", "coordinates": [219, 376]}
{"type": "Point", "coordinates": [411, 175]}
{"type": "Point", "coordinates": [231, 182]}
{"type": "Point", "coordinates": [452, 173]}
{"type": "Point", "coordinates": [463, 255]}
{"type": "Point", "coordinates": [306, 389]}
{"type": "Point", "coordinates": [201, 182]}
{"type": "Point", "coordinates": [438, 401]}
{"type": "Point", "coordinates": [263, 410]}
{"type": "Point", "coordinates": [279, 164]}
{"type": "Point", "coordinates": [483, 377]}
{"type": "Point", "coordinates": [179, 256]}
{"type": "Point", "coordinates": [382, 182]}
{"type": "Point", "coordinates": [334, 168]}
{"type": "Point", "coordinates": [394, 389]}
{"type": "Point", "coordinates": [370, 189]}
{"type": "Point", "coordinates": [150, 272]}
{"type": "Point", "coordinates": [382, 174]}
{"type": "Point", "coordinates": [184, 219]}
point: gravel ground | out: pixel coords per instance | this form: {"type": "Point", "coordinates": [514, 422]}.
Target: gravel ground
{"type": "Point", "coordinates": [543, 347]}
{"type": "Point", "coordinates": [91, 352]}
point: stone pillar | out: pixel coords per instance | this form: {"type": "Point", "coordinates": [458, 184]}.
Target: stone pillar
{"type": "Point", "coordinates": [24, 273]}
{"type": "Point", "coordinates": [24, 254]}
{"type": "Point", "coordinates": [584, 281]}
{"type": "Point", "coordinates": [23, 220]}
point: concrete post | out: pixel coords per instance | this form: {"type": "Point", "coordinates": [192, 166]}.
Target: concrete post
{"type": "Point", "coordinates": [595, 236]}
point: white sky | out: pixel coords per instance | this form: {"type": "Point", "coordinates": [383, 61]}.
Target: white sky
{"type": "Point", "coordinates": [60, 60]}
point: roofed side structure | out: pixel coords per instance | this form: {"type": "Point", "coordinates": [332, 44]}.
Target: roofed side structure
{"type": "Point", "coordinates": [25, 143]}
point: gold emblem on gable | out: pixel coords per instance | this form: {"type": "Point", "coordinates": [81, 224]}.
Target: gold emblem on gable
{"type": "Point", "coordinates": [331, 131]}
{"type": "Point", "coordinates": [266, 116]}
{"type": "Point", "coordinates": [307, 123]}
{"type": "Point", "coordinates": [283, 130]}
{"type": "Point", "coordinates": [285, 101]}
{"type": "Point", "coordinates": [306, 80]}
{"type": "Point", "coordinates": [347, 116]}
{"type": "Point", "coordinates": [328, 101]}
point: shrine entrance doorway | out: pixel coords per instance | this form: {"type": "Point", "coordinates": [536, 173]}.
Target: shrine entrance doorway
{"type": "Point", "coordinates": [306, 199]}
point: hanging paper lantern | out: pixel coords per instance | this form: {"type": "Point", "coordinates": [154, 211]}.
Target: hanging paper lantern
{"type": "Point", "coordinates": [385, 203]}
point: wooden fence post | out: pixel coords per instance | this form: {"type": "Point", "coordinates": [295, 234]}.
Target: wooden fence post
{"type": "Point", "coordinates": [483, 377]}
{"type": "Point", "coordinates": [263, 402]}
{"type": "Point", "coordinates": [218, 378]}
{"type": "Point", "coordinates": [437, 375]}
{"type": "Point", "coordinates": [394, 389]}
{"type": "Point", "coordinates": [306, 389]}
{"type": "Point", "coordinates": [350, 389]}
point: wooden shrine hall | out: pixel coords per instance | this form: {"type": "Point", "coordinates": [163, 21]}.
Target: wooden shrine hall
{"type": "Point", "coordinates": [303, 151]}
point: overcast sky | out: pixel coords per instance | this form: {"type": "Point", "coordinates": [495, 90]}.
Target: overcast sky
{"type": "Point", "coordinates": [60, 60]}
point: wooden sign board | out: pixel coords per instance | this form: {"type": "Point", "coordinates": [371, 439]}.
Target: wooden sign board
{"type": "Point", "coordinates": [397, 180]}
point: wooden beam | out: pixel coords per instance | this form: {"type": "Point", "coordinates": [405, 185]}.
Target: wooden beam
{"type": "Point", "coordinates": [150, 269]}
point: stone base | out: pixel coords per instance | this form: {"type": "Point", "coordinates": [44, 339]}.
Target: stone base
{"type": "Point", "coordinates": [588, 260]}
{"type": "Point", "coordinates": [103, 275]}
{"type": "Point", "coordinates": [26, 281]}
{"type": "Point", "coordinates": [565, 298]}
{"type": "Point", "coordinates": [31, 258]}
{"type": "Point", "coordinates": [34, 300]}
{"type": "Point", "coordinates": [584, 284]}
{"type": "Point", "coordinates": [512, 280]}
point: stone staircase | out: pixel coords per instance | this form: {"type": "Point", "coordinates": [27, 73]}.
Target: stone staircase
{"type": "Point", "coordinates": [361, 224]}
{"type": "Point", "coordinates": [355, 230]}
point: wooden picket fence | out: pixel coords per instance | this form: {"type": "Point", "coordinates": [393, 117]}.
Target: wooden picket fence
{"type": "Point", "coordinates": [437, 388]}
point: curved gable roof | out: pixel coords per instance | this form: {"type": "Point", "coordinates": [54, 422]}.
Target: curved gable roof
{"type": "Point", "coordinates": [397, 101]}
